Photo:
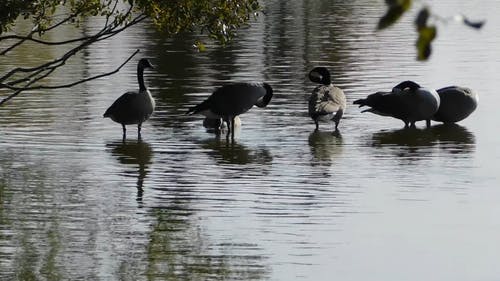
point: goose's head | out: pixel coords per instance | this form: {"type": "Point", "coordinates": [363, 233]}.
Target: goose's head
{"type": "Point", "coordinates": [320, 75]}
{"type": "Point", "coordinates": [264, 101]}
{"type": "Point", "coordinates": [145, 63]}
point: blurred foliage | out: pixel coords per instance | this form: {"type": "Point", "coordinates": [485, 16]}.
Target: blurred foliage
{"type": "Point", "coordinates": [395, 11]}
{"type": "Point", "coordinates": [426, 32]}
{"type": "Point", "coordinates": [218, 18]}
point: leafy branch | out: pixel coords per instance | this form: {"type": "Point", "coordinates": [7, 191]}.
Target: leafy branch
{"type": "Point", "coordinates": [427, 31]}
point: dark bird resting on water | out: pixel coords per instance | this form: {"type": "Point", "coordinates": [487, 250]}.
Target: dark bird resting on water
{"type": "Point", "coordinates": [457, 103]}
{"type": "Point", "coordinates": [133, 107]}
{"type": "Point", "coordinates": [407, 101]}
{"type": "Point", "coordinates": [327, 102]}
{"type": "Point", "coordinates": [229, 101]}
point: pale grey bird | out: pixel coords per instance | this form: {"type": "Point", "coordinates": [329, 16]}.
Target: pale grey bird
{"type": "Point", "coordinates": [407, 101]}
{"type": "Point", "coordinates": [327, 102]}
{"type": "Point", "coordinates": [457, 103]}
{"type": "Point", "coordinates": [133, 107]}
{"type": "Point", "coordinates": [229, 101]}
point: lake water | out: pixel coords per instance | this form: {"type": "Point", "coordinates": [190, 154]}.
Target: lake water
{"type": "Point", "coordinates": [281, 202]}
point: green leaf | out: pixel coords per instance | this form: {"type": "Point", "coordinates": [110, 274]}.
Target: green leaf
{"type": "Point", "coordinates": [396, 10]}
{"type": "Point", "coordinates": [425, 37]}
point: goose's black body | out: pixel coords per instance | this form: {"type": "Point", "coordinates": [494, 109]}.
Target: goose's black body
{"type": "Point", "coordinates": [232, 100]}
{"type": "Point", "coordinates": [133, 107]}
{"type": "Point", "coordinates": [457, 103]}
{"type": "Point", "coordinates": [407, 101]}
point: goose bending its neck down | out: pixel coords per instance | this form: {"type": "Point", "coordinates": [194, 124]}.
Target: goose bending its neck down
{"type": "Point", "coordinates": [326, 102]}
{"type": "Point", "coordinates": [407, 101]}
{"type": "Point", "coordinates": [229, 101]}
{"type": "Point", "coordinates": [133, 107]}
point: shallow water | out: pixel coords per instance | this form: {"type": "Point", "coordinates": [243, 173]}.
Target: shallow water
{"type": "Point", "coordinates": [281, 202]}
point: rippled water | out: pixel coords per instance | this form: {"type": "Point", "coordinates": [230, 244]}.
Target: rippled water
{"type": "Point", "coordinates": [282, 202]}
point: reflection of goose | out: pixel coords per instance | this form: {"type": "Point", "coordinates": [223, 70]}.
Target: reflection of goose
{"type": "Point", "coordinates": [235, 153]}
{"type": "Point", "coordinates": [232, 100]}
{"type": "Point", "coordinates": [135, 154]}
{"type": "Point", "coordinates": [326, 102]}
{"type": "Point", "coordinates": [456, 104]}
{"type": "Point", "coordinates": [452, 138]}
{"type": "Point", "coordinates": [133, 107]}
{"type": "Point", "coordinates": [407, 102]}
{"type": "Point", "coordinates": [325, 145]}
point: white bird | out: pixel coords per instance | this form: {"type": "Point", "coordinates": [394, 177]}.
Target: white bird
{"type": "Point", "coordinates": [457, 103]}
{"type": "Point", "coordinates": [133, 107]}
{"type": "Point", "coordinates": [408, 102]}
{"type": "Point", "coordinates": [327, 102]}
{"type": "Point", "coordinates": [229, 101]}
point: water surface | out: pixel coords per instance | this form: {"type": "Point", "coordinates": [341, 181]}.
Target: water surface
{"type": "Point", "coordinates": [281, 202]}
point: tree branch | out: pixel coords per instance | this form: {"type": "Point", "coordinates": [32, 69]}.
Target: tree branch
{"type": "Point", "coordinates": [69, 85]}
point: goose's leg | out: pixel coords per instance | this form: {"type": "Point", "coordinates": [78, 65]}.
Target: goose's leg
{"type": "Point", "coordinates": [124, 136]}
{"type": "Point", "coordinates": [428, 123]}
{"type": "Point", "coordinates": [139, 126]}
{"type": "Point", "coordinates": [228, 128]}
{"type": "Point", "coordinates": [406, 124]}
{"type": "Point", "coordinates": [317, 124]}
{"type": "Point", "coordinates": [412, 125]}
{"type": "Point", "coordinates": [336, 125]}
{"type": "Point", "coordinates": [232, 128]}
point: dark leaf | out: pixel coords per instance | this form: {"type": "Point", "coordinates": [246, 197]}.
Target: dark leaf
{"type": "Point", "coordinates": [425, 37]}
{"type": "Point", "coordinates": [396, 10]}
{"type": "Point", "coordinates": [474, 24]}
{"type": "Point", "coordinates": [421, 20]}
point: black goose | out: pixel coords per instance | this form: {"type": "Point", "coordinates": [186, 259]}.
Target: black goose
{"type": "Point", "coordinates": [407, 101]}
{"type": "Point", "coordinates": [133, 107]}
{"type": "Point", "coordinates": [457, 103]}
{"type": "Point", "coordinates": [327, 102]}
{"type": "Point", "coordinates": [229, 101]}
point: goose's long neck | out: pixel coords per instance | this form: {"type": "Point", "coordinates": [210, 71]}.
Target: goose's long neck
{"type": "Point", "coordinates": [140, 78]}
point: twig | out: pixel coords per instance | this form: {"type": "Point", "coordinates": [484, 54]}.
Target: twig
{"type": "Point", "coordinates": [19, 90]}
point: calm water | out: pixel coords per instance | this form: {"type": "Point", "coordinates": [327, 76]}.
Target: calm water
{"type": "Point", "coordinates": [280, 203]}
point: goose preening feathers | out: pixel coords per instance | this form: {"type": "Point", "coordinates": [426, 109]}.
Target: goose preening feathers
{"type": "Point", "coordinates": [327, 102]}
{"type": "Point", "coordinates": [407, 101]}
{"type": "Point", "coordinates": [229, 101]}
{"type": "Point", "coordinates": [133, 107]}
{"type": "Point", "coordinates": [457, 103]}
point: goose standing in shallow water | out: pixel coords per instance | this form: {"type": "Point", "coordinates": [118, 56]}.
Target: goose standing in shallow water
{"type": "Point", "coordinates": [326, 102]}
{"type": "Point", "coordinates": [457, 103]}
{"type": "Point", "coordinates": [408, 102]}
{"type": "Point", "coordinates": [133, 107]}
{"type": "Point", "coordinates": [231, 100]}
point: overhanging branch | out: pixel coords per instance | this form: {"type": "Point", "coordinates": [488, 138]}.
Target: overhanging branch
{"type": "Point", "coordinates": [69, 85]}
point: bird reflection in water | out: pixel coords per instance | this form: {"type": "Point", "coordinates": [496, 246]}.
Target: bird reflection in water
{"type": "Point", "coordinates": [231, 152]}
{"type": "Point", "coordinates": [134, 154]}
{"type": "Point", "coordinates": [417, 143]}
{"type": "Point", "coordinates": [325, 146]}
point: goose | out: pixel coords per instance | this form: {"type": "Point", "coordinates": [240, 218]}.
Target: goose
{"type": "Point", "coordinates": [229, 101]}
{"type": "Point", "coordinates": [407, 101]}
{"type": "Point", "coordinates": [327, 102]}
{"type": "Point", "coordinates": [133, 107]}
{"type": "Point", "coordinates": [457, 103]}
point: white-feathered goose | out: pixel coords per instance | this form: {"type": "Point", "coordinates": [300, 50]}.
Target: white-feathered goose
{"type": "Point", "coordinates": [327, 102]}
{"type": "Point", "coordinates": [407, 101]}
{"type": "Point", "coordinates": [133, 107]}
{"type": "Point", "coordinates": [232, 100]}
